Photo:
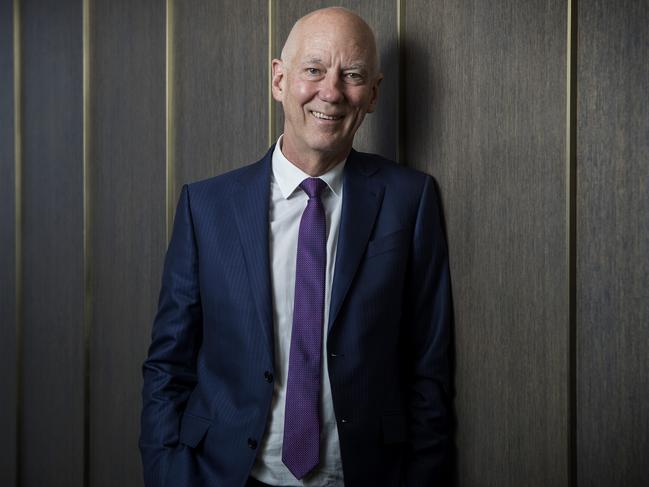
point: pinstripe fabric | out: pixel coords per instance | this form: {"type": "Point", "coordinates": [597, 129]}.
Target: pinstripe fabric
{"type": "Point", "coordinates": [206, 391]}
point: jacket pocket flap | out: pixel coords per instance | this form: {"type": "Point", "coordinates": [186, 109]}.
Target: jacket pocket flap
{"type": "Point", "coordinates": [394, 428]}
{"type": "Point", "coordinates": [386, 243]}
{"type": "Point", "coordinates": [193, 429]}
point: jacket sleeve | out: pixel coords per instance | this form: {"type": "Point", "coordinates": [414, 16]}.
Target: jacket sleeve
{"type": "Point", "coordinates": [170, 369]}
{"type": "Point", "coordinates": [427, 324]}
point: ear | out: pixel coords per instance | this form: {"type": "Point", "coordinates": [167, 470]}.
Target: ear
{"type": "Point", "coordinates": [374, 96]}
{"type": "Point", "coordinates": [277, 80]}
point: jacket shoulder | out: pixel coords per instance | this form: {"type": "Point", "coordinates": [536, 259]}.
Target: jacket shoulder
{"type": "Point", "coordinates": [391, 172]}
{"type": "Point", "coordinates": [226, 183]}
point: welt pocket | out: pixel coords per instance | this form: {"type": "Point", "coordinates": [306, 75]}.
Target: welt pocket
{"type": "Point", "coordinates": [394, 428]}
{"type": "Point", "coordinates": [193, 429]}
{"type": "Point", "coordinates": [386, 243]}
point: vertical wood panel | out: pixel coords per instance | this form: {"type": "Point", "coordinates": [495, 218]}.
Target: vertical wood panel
{"type": "Point", "coordinates": [53, 342]}
{"type": "Point", "coordinates": [7, 251]}
{"type": "Point", "coordinates": [613, 244]}
{"type": "Point", "coordinates": [220, 108]}
{"type": "Point", "coordinates": [378, 133]}
{"type": "Point", "coordinates": [485, 114]}
{"type": "Point", "coordinates": [126, 222]}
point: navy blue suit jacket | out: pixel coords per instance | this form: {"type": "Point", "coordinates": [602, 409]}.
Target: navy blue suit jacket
{"type": "Point", "coordinates": [208, 376]}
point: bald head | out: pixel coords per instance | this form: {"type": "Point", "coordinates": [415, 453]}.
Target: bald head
{"type": "Point", "coordinates": [339, 21]}
{"type": "Point", "coordinates": [327, 81]}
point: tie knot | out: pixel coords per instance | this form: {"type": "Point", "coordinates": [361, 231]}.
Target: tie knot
{"type": "Point", "coordinates": [313, 187]}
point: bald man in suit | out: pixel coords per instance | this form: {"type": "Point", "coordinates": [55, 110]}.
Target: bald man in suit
{"type": "Point", "coordinates": [303, 326]}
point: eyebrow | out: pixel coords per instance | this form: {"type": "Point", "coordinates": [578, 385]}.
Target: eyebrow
{"type": "Point", "coordinates": [359, 66]}
{"type": "Point", "coordinates": [316, 60]}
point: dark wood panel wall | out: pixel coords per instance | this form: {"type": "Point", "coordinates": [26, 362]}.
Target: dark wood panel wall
{"type": "Point", "coordinates": [613, 243]}
{"type": "Point", "coordinates": [126, 222]}
{"type": "Point", "coordinates": [8, 275]}
{"type": "Point", "coordinates": [52, 364]}
{"type": "Point", "coordinates": [493, 80]}
{"type": "Point", "coordinates": [119, 103]}
{"type": "Point", "coordinates": [220, 94]}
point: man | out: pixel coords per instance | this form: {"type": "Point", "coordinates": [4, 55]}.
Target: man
{"type": "Point", "coordinates": [303, 325]}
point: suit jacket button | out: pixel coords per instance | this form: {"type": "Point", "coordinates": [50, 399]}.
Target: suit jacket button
{"type": "Point", "coordinates": [252, 443]}
{"type": "Point", "coordinates": [268, 376]}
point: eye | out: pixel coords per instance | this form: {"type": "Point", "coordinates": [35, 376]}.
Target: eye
{"type": "Point", "coordinates": [312, 71]}
{"type": "Point", "coordinates": [353, 77]}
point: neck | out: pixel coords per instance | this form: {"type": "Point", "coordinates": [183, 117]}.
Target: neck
{"type": "Point", "coordinates": [313, 163]}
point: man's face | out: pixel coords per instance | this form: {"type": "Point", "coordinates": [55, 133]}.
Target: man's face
{"type": "Point", "coordinates": [326, 87]}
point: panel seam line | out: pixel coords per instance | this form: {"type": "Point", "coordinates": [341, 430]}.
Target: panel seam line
{"type": "Point", "coordinates": [18, 229]}
{"type": "Point", "coordinates": [571, 216]}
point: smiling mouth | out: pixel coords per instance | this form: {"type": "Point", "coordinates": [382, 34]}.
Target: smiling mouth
{"type": "Point", "coordinates": [323, 116]}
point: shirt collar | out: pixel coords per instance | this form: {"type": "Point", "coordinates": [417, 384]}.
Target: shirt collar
{"type": "Point", "coordinates": [288, 176]}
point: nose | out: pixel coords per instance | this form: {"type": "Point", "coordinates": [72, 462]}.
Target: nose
{"type": "Point", "coordinates": [331, 88]}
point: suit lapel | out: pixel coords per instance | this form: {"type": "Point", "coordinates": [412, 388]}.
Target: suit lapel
{"type": "Point", "coordinates": [250, 206]}
{"type": "Point", "coordinates": [362, 197]}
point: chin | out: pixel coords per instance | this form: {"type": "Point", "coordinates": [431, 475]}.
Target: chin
{"type": "Point", "coordinates": [329, 145]}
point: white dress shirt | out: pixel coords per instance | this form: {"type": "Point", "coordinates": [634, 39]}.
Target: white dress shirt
{"type": "Point", "coordinates": [287, 202]}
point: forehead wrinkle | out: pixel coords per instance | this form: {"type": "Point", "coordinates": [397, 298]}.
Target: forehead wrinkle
{"type": "Point", "coordinates": [311, 59]}
{"type": "Point", "coordinates": [357, 58]}
{"type": "Point", "coordinates": [318, 60]}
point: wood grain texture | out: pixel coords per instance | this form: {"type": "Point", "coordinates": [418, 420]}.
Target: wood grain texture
{"type": "Point", "coordinates": [485, 114]}
{"type": "Point", "coordinates": [378, 134]}
{"type": "Point", "coordinates": [126, 223]}
{"type": "Point", "coordinates": [52, 206]}
{"type": "Point", "coordinates": [613, 244]}
{"type": "Point", "coordinates": [220, 79]}
{"type": "Point", "coordinates": [7, 251]}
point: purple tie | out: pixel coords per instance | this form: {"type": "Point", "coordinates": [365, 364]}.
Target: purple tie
{"type": "Point", "coordinates": [301, 447]}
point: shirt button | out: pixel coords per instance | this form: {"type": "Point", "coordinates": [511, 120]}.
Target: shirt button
{"type": "Point", "coordinates": [252, 443]}
{"type": "Point", "coordinates": [268, 376]}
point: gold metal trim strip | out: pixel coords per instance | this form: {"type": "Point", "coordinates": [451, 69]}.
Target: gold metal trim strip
{"type": "Point", "coordinates": [400, 82]}
{"type": "Point", "coordinates": [87, 270]}
{"type": "Point", "coordinates": [169, 120]}
{"type": "Point", "coordinates": [18, 229]}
